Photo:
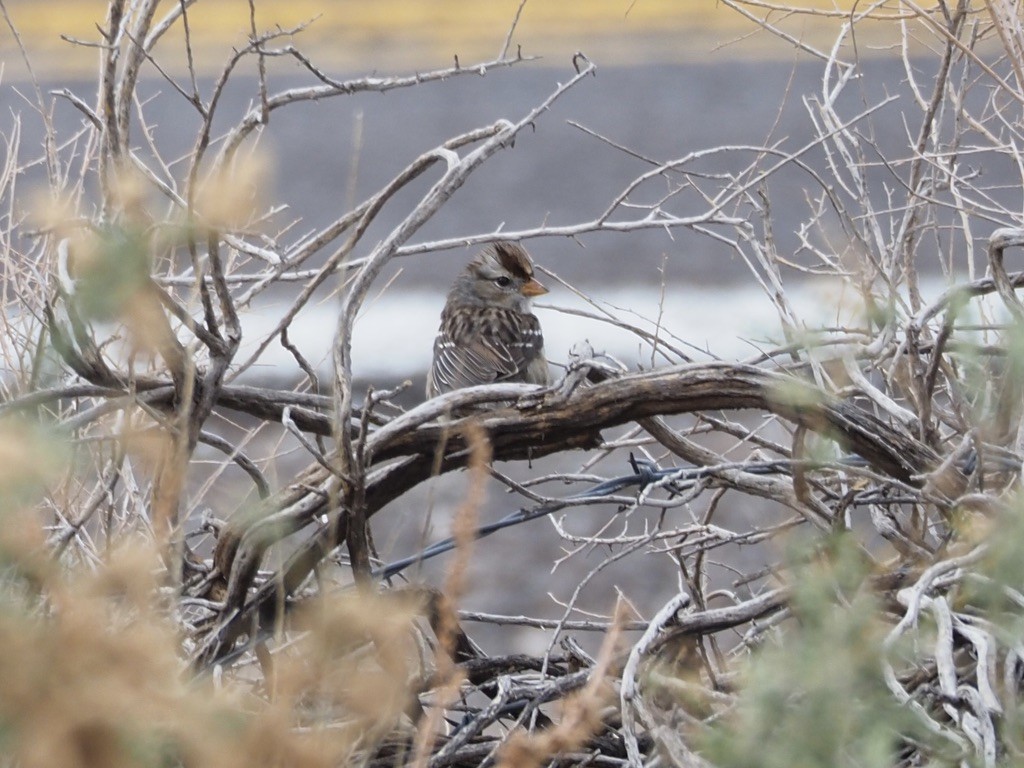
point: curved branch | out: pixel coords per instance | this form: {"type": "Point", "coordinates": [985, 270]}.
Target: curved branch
{"type": "Point", "coordinates": [561, 423]}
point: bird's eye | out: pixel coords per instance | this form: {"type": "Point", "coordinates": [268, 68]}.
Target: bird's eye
{"type": "Point", "coordinates": [503, 281]}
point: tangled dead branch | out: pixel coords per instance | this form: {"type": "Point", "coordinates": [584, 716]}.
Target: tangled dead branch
{"type": "Point", "coordinates": [410, 450]}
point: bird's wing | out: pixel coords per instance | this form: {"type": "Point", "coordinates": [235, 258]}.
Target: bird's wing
{"type": "Point", "coordinates": [488, 358]}
{"type": "Point", "coordinates": [463, 365]}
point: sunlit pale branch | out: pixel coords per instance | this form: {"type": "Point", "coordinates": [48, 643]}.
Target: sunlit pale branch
{"type": "Point", "coordinates": [159, 29]}
{"type": "Point", "coordinates": [141, 17]}
{"type": "Point", "coordinates": [950, 37]}
{"type": "Point", "coordinates": [312, 93]}
{"type": "Point", "coordinates": [630, 700]}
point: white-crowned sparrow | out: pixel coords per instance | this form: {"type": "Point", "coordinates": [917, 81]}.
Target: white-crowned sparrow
{"type": "Point", "coordinates": [488, 333]}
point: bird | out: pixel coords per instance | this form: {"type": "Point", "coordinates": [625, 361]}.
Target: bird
{"type": "Point", "coordinates": [488, 333]}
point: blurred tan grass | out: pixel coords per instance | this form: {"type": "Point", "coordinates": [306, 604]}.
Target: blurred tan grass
{"type": "Point", "coordinates": [359, 36]}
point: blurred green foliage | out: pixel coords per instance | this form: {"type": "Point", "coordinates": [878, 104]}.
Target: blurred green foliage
{"type": "Point", "coordinates": [113, 270]}
{"type": "Point", "coordinates": [814, 695]}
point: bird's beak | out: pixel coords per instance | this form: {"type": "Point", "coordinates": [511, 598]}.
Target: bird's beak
{"type": "Point", "coordinates": [533, 287]}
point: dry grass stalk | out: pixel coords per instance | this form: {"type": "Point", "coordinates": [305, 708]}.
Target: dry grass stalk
{"type": "Point", "coordinates": [464, 524]}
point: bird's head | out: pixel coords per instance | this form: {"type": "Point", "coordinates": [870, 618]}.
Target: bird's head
{"type": "Point", "coordinates": [502, 276]}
